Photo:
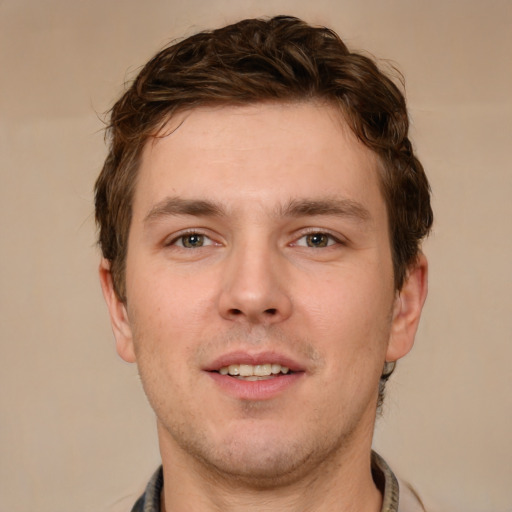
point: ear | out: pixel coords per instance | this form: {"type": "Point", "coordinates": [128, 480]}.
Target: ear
{"type": "Point", "coordinates": [407, 310]}
{"type": "Point", "coordinates": [118, 314]}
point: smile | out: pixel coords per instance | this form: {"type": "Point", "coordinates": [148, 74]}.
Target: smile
{"type": "Point", "coordinates": [255, 377]}
{"type": "Point", "coordinates": [254, 372]}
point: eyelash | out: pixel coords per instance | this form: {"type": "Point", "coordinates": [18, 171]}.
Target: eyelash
{"type": "Point", "coordinates": [181, 236]}
{"type": "Point", "coordinates": [332, 239]}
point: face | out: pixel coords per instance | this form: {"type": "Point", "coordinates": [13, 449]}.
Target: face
{"type": "Point", "coordinates": [260, 302]}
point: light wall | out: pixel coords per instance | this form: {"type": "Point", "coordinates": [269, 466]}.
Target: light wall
{"type": "Point", "coordinates": [75, 431]}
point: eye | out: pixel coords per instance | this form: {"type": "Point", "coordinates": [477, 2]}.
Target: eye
{"type": "Point", "coordinates": [192, 241]}
{"type": "Point", "coordinates": [316, 240]}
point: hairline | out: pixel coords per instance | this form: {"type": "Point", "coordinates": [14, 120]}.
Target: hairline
{"type": "Point", "coordinates": [157, 131]}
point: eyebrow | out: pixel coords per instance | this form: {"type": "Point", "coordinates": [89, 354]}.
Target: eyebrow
{"type": "Point", "coordinates": [339, 207]}
{"type": "Point", "coordinates": [179, 206]}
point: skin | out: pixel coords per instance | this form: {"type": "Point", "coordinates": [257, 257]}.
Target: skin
{"type": "Point", "coordinates": [262, 229]}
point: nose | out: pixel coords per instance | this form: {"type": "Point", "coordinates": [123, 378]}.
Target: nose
{"type": "Point", "coordinates": [255, 288]}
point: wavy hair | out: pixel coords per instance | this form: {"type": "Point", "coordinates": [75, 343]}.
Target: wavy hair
{"type": "Point", "coordinates": [281, 59]}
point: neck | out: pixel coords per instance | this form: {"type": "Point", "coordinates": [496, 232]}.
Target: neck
{"type": "Point", "coordinates": [342, 484]}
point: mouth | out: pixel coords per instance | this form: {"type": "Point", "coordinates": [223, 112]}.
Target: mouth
{"type": "Point", "coordinates": [255, 376]}
{"type": "Point", "coordinates": [254, 372]}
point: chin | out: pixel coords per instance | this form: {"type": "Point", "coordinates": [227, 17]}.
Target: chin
{"type": "Point", "coordinates": [264, 470]}
{"type": "Point", "coordinates": [261, 459]}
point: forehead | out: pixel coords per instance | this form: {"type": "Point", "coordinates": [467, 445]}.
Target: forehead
{"type": "Point", "coordinates": [255, 155]}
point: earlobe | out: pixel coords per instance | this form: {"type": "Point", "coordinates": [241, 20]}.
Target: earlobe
{"type": "Point", "coordinates": [407, 310]}
{"type": "Point", "coordinates": [118, 314]}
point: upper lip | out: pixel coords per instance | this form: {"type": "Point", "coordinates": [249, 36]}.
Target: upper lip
{"type": "Point", "coordinates": [244, 357]}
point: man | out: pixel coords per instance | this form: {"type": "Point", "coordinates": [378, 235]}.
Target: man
{"type": "Point", "coordinates": [260, 213]}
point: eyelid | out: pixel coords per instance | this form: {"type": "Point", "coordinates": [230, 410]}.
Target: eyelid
{"type": "Point", "coordinates": [172, 239]}
{"type": "Point", "coordinates": [336, 237]}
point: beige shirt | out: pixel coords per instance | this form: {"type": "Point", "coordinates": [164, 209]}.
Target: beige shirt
{"type": "Point", "coordinates": [409, 500]}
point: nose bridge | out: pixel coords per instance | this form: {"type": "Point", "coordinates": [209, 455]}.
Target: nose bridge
{"type": "Point", "coordinates": [254, 288]}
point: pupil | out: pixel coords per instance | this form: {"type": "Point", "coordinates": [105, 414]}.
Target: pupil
{"type": "Point", "coordinates": [193, 241]}
{"type": "Point", "coordinates": [317, 240]}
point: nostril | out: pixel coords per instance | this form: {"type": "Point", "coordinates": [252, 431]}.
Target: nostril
{"type": "Point", "coordinates": [271, 311]}
{"type": "Point", "coordinates": [235, 312]}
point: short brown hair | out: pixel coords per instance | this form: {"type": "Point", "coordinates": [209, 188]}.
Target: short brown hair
{"type": "Point", "coordinates": [281, 59]}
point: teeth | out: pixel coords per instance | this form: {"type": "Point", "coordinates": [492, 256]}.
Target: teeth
{"type": "Point", "coordinates": [261, 370]}
{"type": "Point", "coordinates": [252, 372]}
{"type": "Point", "coordinates": [246, 370]}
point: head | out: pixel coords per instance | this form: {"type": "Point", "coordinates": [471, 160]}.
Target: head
{"type": "Point", "coordinates": [255, 61]}
{"type": "Point", "coordinates": [240, 143]}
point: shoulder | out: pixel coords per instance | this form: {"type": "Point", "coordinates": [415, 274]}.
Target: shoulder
{"type": "Point", "coordinates": [150, 500]}
{"type": "Point", "coordinates": [397, 495]}
{"type": "Point", "coordinates": [409, 499]}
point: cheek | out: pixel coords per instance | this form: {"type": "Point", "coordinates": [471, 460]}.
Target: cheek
{"type": "Point", "coordinates": [348, 314]}
{"type": "Point", "coordinates": [170, 314]}
{"type": "Point", "coordinates": [163, 295]}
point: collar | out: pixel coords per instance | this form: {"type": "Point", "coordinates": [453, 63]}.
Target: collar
{"type": "Point", "coordinates": [383, 477]}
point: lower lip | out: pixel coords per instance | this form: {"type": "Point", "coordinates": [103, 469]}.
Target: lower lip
{"type": "Point", "coordinates": [257, 389]}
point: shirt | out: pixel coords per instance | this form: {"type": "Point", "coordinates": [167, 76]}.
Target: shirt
{"type": "Point", "coordinates": [396, 497]}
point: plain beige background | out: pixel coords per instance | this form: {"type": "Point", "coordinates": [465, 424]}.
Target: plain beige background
{"type": "Point", "coordinates": [76, 434]}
